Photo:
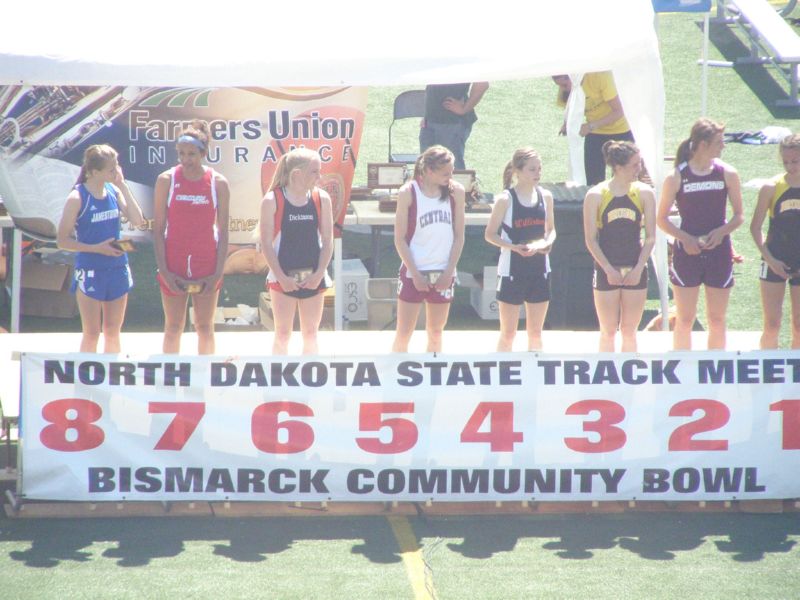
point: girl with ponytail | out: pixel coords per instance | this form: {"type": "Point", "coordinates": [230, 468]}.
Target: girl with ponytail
{"type": "Point", "coordinates": [429, 237]}
{"type": "Point", "coordinates": [296, 230]}
{"type": "Point", "coordinates": [702, 186]}
{"type": "Point", "coordinates": [522, 225]}
{"type": "Point", "coordinates": [615, 212]}
{"type": "Point", "coordinates": [90, 226]}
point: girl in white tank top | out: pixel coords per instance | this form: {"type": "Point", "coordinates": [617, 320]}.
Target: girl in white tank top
{"type": "Point", "coordinates": [432, 231]}
{"type": "Point", "coordinates": [429, 237]}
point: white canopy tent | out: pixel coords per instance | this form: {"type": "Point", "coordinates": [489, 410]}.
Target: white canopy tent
{"type": "Point", "coordinates": [321, 43]}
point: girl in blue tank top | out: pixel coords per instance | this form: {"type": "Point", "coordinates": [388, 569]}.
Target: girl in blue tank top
{"type": "Point", "coordinates": [90, 227]}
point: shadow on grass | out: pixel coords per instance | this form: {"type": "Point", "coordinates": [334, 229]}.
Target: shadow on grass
{"type": "Point", "coordinates": [763, 80]}
{"type": "Point", "coordinates": [652, 536]}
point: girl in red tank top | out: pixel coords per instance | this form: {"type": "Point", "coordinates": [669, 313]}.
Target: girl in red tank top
{"type": "Point", "coordinates": [190, 239]}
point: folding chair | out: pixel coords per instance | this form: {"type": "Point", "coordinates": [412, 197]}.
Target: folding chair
{"type": "Point", "coordinates": [407, 105]}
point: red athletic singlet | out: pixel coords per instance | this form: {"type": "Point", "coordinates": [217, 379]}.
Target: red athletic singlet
{"type": "Point", "coordinates": [191, 232]}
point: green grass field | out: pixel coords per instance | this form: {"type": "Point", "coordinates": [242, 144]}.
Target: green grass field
{"type": "Point", "coordinates": [632, 555]}
{"type": "Point", "coordinates": [628, 556]}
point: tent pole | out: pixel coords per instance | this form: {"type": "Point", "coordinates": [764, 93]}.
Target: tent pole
{"type": "Point", "coordinates": [704, 84]}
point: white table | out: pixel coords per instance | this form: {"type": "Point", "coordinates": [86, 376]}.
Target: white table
{"type": "Point", "coordinates": [16, 268]}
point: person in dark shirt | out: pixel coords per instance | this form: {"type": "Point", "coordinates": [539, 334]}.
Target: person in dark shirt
{"type": "Point", "coordinates": [449, 116]}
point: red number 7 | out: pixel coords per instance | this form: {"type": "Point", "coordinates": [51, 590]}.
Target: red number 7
{"type": "Point", "coordinates": [187, 416]}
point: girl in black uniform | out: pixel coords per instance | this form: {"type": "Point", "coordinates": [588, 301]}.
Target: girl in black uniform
{"type": "Point", "coordinates": [522, 226]}
{"type": "Point", "coordinates": [297, 241]}
{"type": "Point", "coordinates": [780, 198]}
{"type": "Point", "coordinates": [614, 213]}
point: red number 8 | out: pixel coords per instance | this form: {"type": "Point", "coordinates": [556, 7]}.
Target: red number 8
{"type": "Point", "coordinates": [54, 436]}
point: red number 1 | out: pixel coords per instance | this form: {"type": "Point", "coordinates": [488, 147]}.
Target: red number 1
{"type": "Point", "coordinates": [791, 422]}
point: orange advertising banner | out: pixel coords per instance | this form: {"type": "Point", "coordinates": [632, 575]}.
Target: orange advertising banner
{"type": "Point", "coordinates": [45, 130]}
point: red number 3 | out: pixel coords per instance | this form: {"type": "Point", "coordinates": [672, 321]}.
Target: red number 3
{"type": "Point", "coordinates": [71, 414]}
{"type": "Point", "coordinates": [609, 414]}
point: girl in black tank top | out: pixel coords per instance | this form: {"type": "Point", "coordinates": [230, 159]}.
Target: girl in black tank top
{"type": "Point", "coordinates": [780, 252]}
{"type": "Point", "coordinates": [523, 227]}
{"type": "Point", "coordinates": [297, 241]}
{"type": "Point", "coordinates": [613, 214]}
{"type": "Point", "coordinates": [527, 226]}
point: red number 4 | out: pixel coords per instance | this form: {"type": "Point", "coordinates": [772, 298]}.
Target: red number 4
{"type": "Point", "coordinates": [501, 436]}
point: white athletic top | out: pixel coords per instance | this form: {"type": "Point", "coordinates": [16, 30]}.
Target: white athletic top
{"type": "Point", "coordinates": [431, 239]}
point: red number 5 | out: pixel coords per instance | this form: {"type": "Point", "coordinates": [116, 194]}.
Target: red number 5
{"type": "Point", "coordinates": [404, 431]}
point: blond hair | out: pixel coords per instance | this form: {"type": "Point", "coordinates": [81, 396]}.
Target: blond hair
{"type": "Point", "coordinates": [518, 161]}
{"type": "Point", "coordinates": [96, 158]}
{"type": "Point", "coordinates": [295, 159]}
{"type": "Point", "coordinates": [790, 142]}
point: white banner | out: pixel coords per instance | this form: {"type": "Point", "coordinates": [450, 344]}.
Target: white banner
{"type": "Point", "coordinates": [539, 427]}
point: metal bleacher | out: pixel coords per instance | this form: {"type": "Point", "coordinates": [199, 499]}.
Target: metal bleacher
{"type": "Point", "coordinates": [771, 39]}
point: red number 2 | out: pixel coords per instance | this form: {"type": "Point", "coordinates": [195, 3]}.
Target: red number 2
{"type": "Point", "coordinates": [715, 415]}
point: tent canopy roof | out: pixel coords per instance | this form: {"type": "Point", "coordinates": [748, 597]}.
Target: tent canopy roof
{"type": "Point", "coordinates": [318, 42]}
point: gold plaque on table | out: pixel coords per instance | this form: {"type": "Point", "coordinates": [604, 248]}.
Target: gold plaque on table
{"type": "Point", "coordinates": [465, 177]}
{"type": "Point", "coordinates": [386, 175]}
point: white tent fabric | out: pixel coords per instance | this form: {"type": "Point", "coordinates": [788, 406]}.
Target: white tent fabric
{"type": "Point", "coordinates": [320, 42]}
{"type": "Point", "coordinates": [344, 42]}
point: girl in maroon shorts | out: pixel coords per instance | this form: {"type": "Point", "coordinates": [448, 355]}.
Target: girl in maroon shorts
{"type": "Point", "coordinates": [702, 186]}
{"type": "Point", "coordinates": [429, 237]}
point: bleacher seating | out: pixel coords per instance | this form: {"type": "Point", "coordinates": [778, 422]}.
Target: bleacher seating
{"type": "Point", "coordinates": [771, 39]}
